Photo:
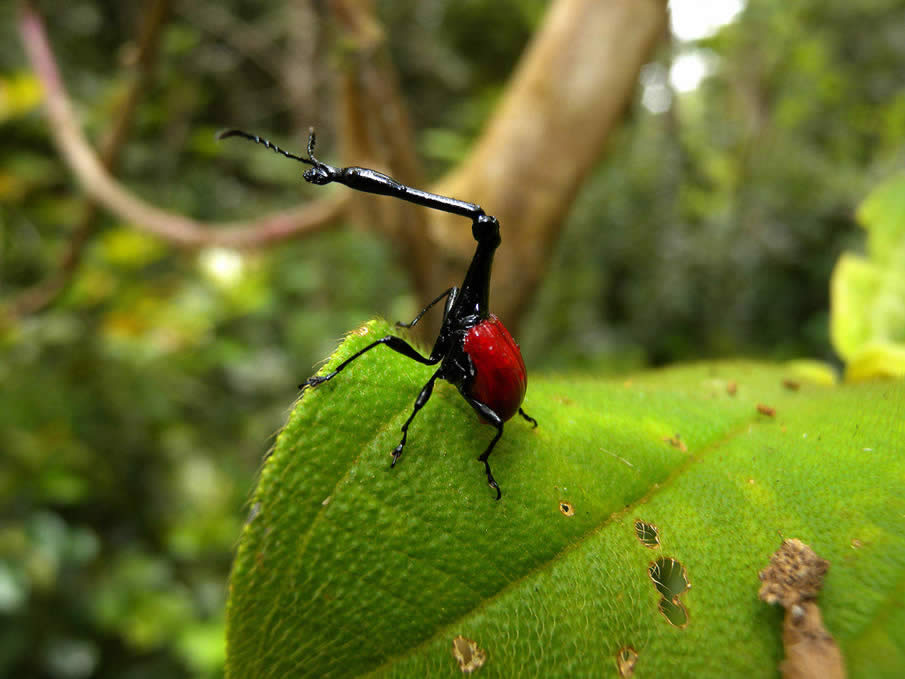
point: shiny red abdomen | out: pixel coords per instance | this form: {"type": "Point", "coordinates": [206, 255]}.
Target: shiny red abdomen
{"type": "Point", "coordinates": [500, 377]}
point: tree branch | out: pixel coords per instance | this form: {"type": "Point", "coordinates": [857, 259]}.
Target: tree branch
{"type": "Point", "coordinates": [100, 185]}
{"type": "Point", "coordinates": [376, 131]}
{"type": "Point", "coordinates": [44, 293]}
{"type": "Point", "coordinates": [568, 93]}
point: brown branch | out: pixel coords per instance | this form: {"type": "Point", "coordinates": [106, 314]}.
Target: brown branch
{"type": "Point", "coordinates": [102, 187]}
{"type": "Point", "coordinates": [569, 91]}
{"type": "Point", "coordinates": [44, 293]}
{"type": "Point", "coordinates": [252, 43]}
{"type": "Point", "coordinates": [376, 131]}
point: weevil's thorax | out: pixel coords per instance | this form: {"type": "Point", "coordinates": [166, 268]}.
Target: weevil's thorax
{"type": "Point", "coordinates": [481, 358]}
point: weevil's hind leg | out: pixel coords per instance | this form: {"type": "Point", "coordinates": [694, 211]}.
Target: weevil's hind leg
{"type": "Point", "coordinates": [395, 343]}
{"type": "Point", "coordinates": [490, 417]}
{"type": "Point", "coordinates": [528, 417]}
{"type": "Point", "coordinates": [419, 404]}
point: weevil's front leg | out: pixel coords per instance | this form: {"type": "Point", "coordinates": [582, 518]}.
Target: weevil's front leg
{"type": "Point", "coordinates": [419, 404]}
{"type": "Point", "coordinates": [391, 341]}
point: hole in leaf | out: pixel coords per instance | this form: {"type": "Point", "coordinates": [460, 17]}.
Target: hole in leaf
{"type": "Point", "coordinates": [674, 612]}
{"type": "Point", "coordinates": [467, 653]}
{"type": "Point", "coordinates": [625, 661]}
{"type": "Point", "coordinates": [669, 577]}
{"type": "Point", "coordinates": [567, 508]}
{"type": "Point", "coordinates": [671, 580]}
{"type": "Point", "coordinates": [647, 533]}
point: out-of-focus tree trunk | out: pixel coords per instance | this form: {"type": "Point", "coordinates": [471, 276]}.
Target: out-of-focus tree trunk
{"type": "Point", "coordinates": [568, 93]}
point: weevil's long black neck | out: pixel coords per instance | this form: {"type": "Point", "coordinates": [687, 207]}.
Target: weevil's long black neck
{"type": "Point", "coordinates": [474, 296]}
{"type": "Point", "coordinates": [364, 179]}
{"type": "Point", "coordinates": [371, 181]}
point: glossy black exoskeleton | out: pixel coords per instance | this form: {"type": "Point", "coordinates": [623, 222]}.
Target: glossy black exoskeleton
{"type": "Point", "coordinates": [475, 351]}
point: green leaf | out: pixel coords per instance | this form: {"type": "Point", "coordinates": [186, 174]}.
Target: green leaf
{"type": "Point", "coordinates": [868, 294]}
{"type": "Point", "coordinates": [883, 215]}
{"type": "Point", "coordinates": [347, 567]}
{"type": "Point", "coordinates": [20, 93]}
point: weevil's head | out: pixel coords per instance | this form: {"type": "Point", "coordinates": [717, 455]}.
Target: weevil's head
{"type": "Point", "coordinates": [319, 174]}
{"type": "Point", "coordinates": [486, 230]}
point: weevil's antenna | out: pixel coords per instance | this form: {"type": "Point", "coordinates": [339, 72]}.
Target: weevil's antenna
{"type": "Point", "coordinates": [311, 147]}
{"type": "Point", "coordinates": [310, 160]}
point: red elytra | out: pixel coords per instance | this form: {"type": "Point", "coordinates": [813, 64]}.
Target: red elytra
{"type": "Point", "coordinates": [500, 377]}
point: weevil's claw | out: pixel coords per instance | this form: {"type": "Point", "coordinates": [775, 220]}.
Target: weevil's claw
{"type": "Point", "coordinates": [491, 481]}
{"type": "Point", "coordinates": [314, 381]}
{"type": "Point", "coordinates": [528, 418]}
{"type": "Point", "coordinates": [499, 493]}
{"type": "Point", "coordinates": [397, 451]}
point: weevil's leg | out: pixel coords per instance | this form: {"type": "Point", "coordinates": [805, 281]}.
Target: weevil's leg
{"type": "Point", "coordinates": [528, 417]}
{"type": "Point", "coordinates": [394, 343]}
{"type": "Point", "coordinates": [419, 404]}
{"type": "Point", "coordinates": [400, 324]}
{"type": "Point", "coordinates": [491, 417]}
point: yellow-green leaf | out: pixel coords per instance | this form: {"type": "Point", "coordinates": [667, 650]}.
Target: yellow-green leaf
{"type": "Point", "coordinates": [868, 294]}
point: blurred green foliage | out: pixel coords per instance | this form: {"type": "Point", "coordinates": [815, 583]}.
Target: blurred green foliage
{"type": "Point", "coordinates": [135, 410]}
{"type": "Point", "coordinates": [869, 292]}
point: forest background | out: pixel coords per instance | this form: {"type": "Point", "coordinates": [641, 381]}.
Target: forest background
{"type": "Point", "coordinates": [144, 376]}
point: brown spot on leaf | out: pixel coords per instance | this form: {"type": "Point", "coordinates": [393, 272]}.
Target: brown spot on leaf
{"type": "Point", "coordinates": [626, 658]}
{"type": "Point", "coordinates": [795, 574]}
{"type": "Point", "coordinates": [567, 508]}
{"type": "Point", "coordinates": [467, 653]}
{"type": "Point", "coordinates": [810, 648]}
{"type": "Point", "coordinates": [766, 410]}
{"type": "Point", "coordinates": [731, 387]}
{"type": "Point", "coordinates": [791, 385]}
{"type": "Point", "coordinates": [793, 579]}
{"type": "Point", "coordinates": [676, 442]}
